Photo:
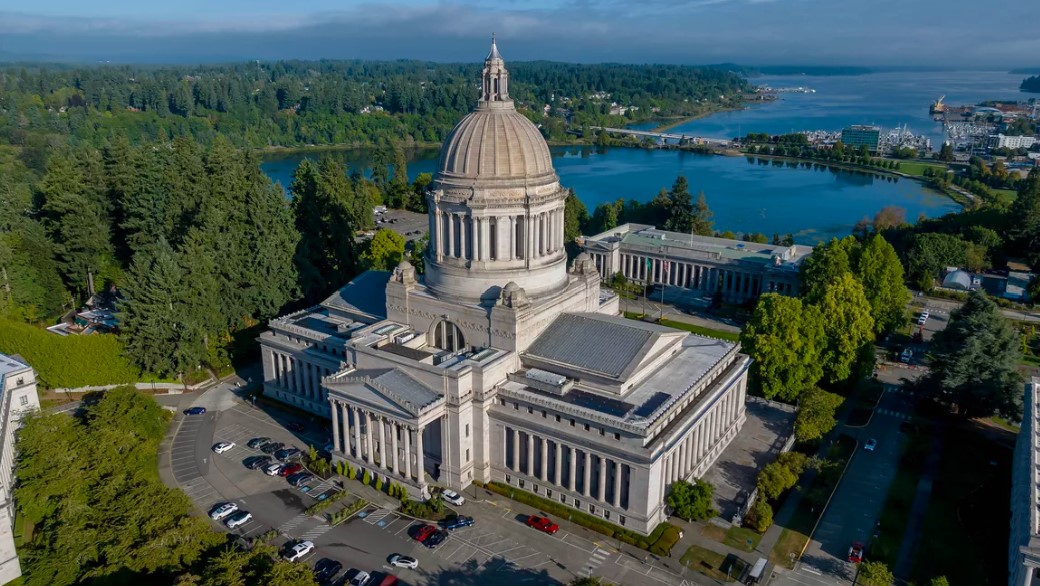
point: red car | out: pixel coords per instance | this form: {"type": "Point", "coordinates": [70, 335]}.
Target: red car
{"type": "Point", "coordinates": [424, 533]}
{"type": "Point", "coordinates": [290, 470]}
{"type": "Point", "coordinates": [856, 552]}
{"type": "Point", "coordinates": [542, 524]}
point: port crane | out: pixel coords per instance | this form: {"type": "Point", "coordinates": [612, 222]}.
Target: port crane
{"type": "Point", "coordinates": [938, 107]}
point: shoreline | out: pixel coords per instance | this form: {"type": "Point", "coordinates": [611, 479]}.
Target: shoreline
{"type": "Point", "coordinates": [684, 119]}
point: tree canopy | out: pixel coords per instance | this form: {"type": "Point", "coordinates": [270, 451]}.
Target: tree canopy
{"type": "Point", "coordinates": [874, 574]}
{"type": "Point", "coordinates": [384, 251]}
{"type": "Point", "coordinates": [848, 330]}
{"type": "Point", "coordinates": [975, 361]}
{"type": "Point", "coordinates": [816, 409]}
{"type": "Point", "coordinates": [692, 502]}
{"type": "Point", "coordinates": [785, 339]}
{"type": "Point", "coordinates": [881, 275]}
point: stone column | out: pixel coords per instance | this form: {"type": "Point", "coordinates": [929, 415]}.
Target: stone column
{"type": "Point", "coordinates": [511, 237]}
{"type": "Point", "coordinates": [559, 464]}
{"type": "Point", "coordinates": [336, 446]}
{"type": "Point", "coordinates": [345, 428]}
{"type": "Point", "coordinates": [545, 460]}
{"type": "Point", "coordinates": [371, 458]}
{"type": "Point", "coordinates": [530, 454]}
{"type": "Point", "coordinates": [602, 479]}
{"type": "Point", "coordinates": [451, 234]}
{"type": "Point", "coordinates": [382, 442]}
{"type": "Point", "coordinates": [408, 452]}
{"type": "Point", "coordinates": [419, 449]}
{"type": "Point", "coordinates": [463, 221]}
{"type": "Point", "coordinates": [516, 450]}
{"type": "Point", "coordinates": [588, 474]}
{"type": "Point", "coordinates": [396, 459]}
{"type": "Point", "coordinates": [682, 460]}
{"type": "Point", "coordinates": [571, 480]}
{"type": "Point", "coordinates": [618, 469]}
{"type": "Point", "coordinates": [357, 433]}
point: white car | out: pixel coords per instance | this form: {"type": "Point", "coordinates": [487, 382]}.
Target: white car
{"type": "Point", "coordinates": [360, 579]}
{"type": "Point", "coordinates": [273, 469]}
{"type": "Point", "coordinates": [453, 497]}
{"type": "Point", "coordinates": [402, 561]}
{"type": "Point", "coordinates": [870, 445]}
{"type": "Point", "coordinates": [222, 510]}
{"type": "Point", "coordinates": [298, 550]}
{"type": "Point", "coordinates": [238, 519]}
{"type": "Point", "coordinates": [223, 447]}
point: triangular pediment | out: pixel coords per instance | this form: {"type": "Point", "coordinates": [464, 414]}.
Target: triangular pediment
{"type": "Point", "coordinates": [388, 390]}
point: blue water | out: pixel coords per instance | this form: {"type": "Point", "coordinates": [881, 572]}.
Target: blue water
{"type": "Point", "coordinates": [749, 197]}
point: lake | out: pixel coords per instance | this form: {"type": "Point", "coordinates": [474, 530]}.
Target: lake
{"type": "Point", "coordinates": [749, 197]}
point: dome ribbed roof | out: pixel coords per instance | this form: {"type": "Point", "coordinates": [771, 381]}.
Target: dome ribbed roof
{"type": "Point", "coordinates": [496, 143]}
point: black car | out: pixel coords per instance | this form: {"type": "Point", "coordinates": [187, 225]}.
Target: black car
{"type": "Point", "coordinates": [272, 447]}
{"type": "Point", "coordinates": [296, 426]}
{"type": "Point", "coordinates": [300, 478]}
{"type": "Point", "coordinates": [255, 462]}
{"type": "Point", "coordinates": [258, 442]}
{"type": "Point", "coordinates": [326, 569]}
{"type": "Point", "coordinates": [458, 522]}
{"type": "Point", "coordinates": [435, 539]}
{"type": "Point", "coordinates": [288, 454]}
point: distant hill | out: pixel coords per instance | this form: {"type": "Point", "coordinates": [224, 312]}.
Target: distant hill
{"type": "Point", "coordinates": [800, 69]}
{"type": "Point", "coordinates": [1026, 70]}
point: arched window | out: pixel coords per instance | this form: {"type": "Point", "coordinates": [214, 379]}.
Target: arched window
{"type": "Point", "coordinates": [448, 336]}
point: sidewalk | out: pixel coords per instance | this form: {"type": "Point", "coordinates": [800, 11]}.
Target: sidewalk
{"type": "Point", "coordinates": [904, 565]}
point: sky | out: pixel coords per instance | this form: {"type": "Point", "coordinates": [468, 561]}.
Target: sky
{"type": "Point", "coordinates": [998, 34]}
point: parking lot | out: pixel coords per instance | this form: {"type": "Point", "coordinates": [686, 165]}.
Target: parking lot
{"type": "Point", "coordinates": [498, 549]}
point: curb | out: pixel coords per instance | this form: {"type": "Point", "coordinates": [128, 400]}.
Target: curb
{"type": "Point", "coordinates": [872, 411]}
{"type": "Point", "coordinates": [823, 512]}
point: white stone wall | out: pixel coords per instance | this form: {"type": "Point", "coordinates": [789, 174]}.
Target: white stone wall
{"type": "Point", "coordinates": [18, 398]}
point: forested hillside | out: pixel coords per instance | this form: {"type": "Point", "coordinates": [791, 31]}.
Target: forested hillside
{"type": "Point", "coordinates": [295, 103]}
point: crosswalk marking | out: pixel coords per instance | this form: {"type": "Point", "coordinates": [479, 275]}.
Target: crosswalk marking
{"type": "Point", "coordinates": [598, 557]}
{"type": "Point", "coordinates": [316, 532]}
{"type": "Point", "coordinates": [376, 516]}
{"type": "Point", "coordinates": [292, 523]}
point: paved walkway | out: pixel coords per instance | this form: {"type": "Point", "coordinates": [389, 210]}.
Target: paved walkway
{"type": "Point", "coordinates": [915, 525]}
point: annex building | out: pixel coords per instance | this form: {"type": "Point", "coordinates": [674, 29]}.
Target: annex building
{"type": "Point", "coordinates": [17, 397]}
{"type": "Point", "coordinates": [737, 271]}
{"type": "Point", "coordinates": [502, 362]}
{"type": "Point", "coordinates": [1024, 544]}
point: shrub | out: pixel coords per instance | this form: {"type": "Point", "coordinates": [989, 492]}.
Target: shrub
{"type": "Point", "coordinates": [345, 513]}
{"type": "Point", "coordinates": [692, 502]}
{"type": "Point", "coordinates": [379, 483]}
{"type": "Point", "coordinates": [403, 494]}
{"type": "Point", "coordinates": [761, 515]}
{"type": "Point", "coordinates": [68, 361]}
{"type": "Point", "coordinates": [326, 503]}
{"type": "Point", "coordinates": [669, 538]}
{"type": "Point", "coordinates": [265, 536]}
{"type": "Point", "coordinates": [365, 478]}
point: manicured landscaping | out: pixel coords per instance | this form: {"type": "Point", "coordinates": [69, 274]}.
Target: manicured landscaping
{"type": "Point", "coordinates": [739, 538]}
{"type": "Point", "coordinates": [701, 330]}
{"type": "Point", "coordinates": [704, 561]}
{"type": "Point", "coordinates": [966, 523]}
{"type": "Point", "coordinates": [659, 542]}
{"type": "Point", "coordinates": [917, 169]}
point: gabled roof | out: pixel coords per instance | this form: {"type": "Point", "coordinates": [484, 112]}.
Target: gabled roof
{"type": "Point", "coordinates": [608, 346]}
{"type": "Point", "coordinates": [388, 389]}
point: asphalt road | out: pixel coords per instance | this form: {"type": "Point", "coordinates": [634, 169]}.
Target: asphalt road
{"type": "Point", "coordinates": [498, 549]}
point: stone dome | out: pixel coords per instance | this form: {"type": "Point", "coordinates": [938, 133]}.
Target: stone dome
{"type": "Point", "coordinates": [495, 142]}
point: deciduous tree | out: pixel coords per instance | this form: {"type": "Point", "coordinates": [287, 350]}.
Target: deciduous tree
{"type": "Point", "coordinates": [692, 502]}
{"type": "Point", "coordinates": [384, 251]}
{"type": "Point", "coordinates": [848, 330]}
{"type": "Point", "coordinates": [881, 275]}
{"type": "Point", "coordinates": [874, 574]}
{"type": "Point", "coordinates": [816, 409]}
{"type": "Point", "coordinates": [785, 339]}
{"type": "Point", "coordinates": [828, 262]}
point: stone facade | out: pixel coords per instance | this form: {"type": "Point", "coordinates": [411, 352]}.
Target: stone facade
{"type": "Point", "coordinates": [737, 271]}
{"type": "Point", "coordinates": [502, 363]}
{"type": "Point", "coordinates": [17, 397]}
{"type": "Point", "coordinates": [1024, 544]}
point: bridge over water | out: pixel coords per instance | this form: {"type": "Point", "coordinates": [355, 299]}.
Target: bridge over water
{"type": "Point", "coordinates": [666, 136]}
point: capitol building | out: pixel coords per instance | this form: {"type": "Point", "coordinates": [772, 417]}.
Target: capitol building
{"type": "Point", "coordinates": [502, 362]}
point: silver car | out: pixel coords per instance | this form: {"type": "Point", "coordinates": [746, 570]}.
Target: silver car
{"type": "Point", "coordinates": [402, 561]}
{"type": "Point", "coordinates": [222, 510]}
{"type": "Point", "coordinates": [238, 519]}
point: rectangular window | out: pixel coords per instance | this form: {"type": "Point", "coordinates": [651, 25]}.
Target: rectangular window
{"type": "Point", "coordinates": [521, 482]}
{"type": "Point", "coordinates": [572, 423]}
{"type": "Point", "coordinates": [557, 419]}
{"type": "Point", "coordinates": [544, 413]}
{"type": "Point", "coordinates": [530, 411]}
{"type": "Point", "coordinates": [602, 431]}
{"type": "Point", "coordinates": [548, 493]}
{"type": "Point", "coordinates": [586, 427]}
{"type": "Point", "coordinates": [23, 400]}
{"type": "Point", "coordinates": [606, 514]}
{"type": "Point", "coordinates": [577, 504]}
{"type": "Point", "coordinates": [536, 489]}
{"type": "Point", "coordinates": [502, 402]}
{"type": "Point", "coordinates": [592, 509]}
{"type": "Point", "coordinates": [467, 454]}
{"type": "Point", "coordinates": [621, 519]}
{"type": "Point", "coordinates": [516, 406]}
{"type": "Point", "coordinates": [617, 436]}
{"type": "Point", "coordinates": [563, 498]}
{"type": "Point", "coordinates": [467, 432]}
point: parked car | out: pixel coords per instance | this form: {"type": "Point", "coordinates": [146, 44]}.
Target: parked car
{"type": "Point", "coordinates": [258, 442]}
{"type": "Point", "coordinates": [906, 356]}
{"type": "Point", "coordinates": [222, 510]}
{"type": "Point", "coordinates": [458, 522]}
{"type": "Point", "coordinates": [222, 447]}
{"type": "Point", "coordinates": [856, 552]}
{"type": "Point", "coordinates": [436, 538]}
{"type": "Point", "coordinates": [360, 579]}
{"type": "Point", "coordinates": [238, 519]}
{"type": "Point", "coordinates": [290, 469]}
{"type": "Point", "coordinates": [402, 561]}
{"type": "Point", "coordinates": [870, 445]}
{"type": "Point", "coordinates": [272, 447]}
{"type": "Point", "coordinates": [297, 550]}
{"type": "Point", "coordinates": [254, 462]}
{"type": "Point", "coordinates": [542, 524]}
{"type": "Point", "coordinates": [274, 469]}
{"type": "Point", "coordinates": [326, 569]}
{"type": "Point", "coordinates": [288, 454]}
{"type": "Point", "coordinates": [300, 478]}
{"type": "Point", "coordinates": [424, 532]}
{"type": "Point", "coordinates": [295, 426]}
{"type": "Point", "coordinates": [195, 411]}
{"type": "Point", "coordinates": [453, 497]}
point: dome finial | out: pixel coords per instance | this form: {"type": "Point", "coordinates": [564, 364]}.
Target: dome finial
{"type": "Point", "coordinates": [494, 49]}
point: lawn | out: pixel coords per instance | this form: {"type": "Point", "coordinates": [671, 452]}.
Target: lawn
{"type": "Point", "coordinates": [911, 168]}
{"type": "Point", "coordinates": [1004, 424]}
{"type": "Point", "coordinates": [738, 538]}
{"type": "Point", "coordinates": [966, 522]}
{"type": "Point", "coordinates": [704, 561]}
{"type": "Point", "coordinates": [701, 330]}
{"type": "Point", "coordinates": [896, 512]}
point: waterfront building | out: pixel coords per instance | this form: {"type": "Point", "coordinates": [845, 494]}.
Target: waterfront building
{"type": "Point", "coordinates": [1024, 545]}
{"type": "Point", "coordinates": [17, 397]}
{"type": "Point", "coordinates": [502, 363]}
{"type": "Point", "coordinates": [858, 135]}
{"type": "Point", "coordinates": [736, 270]}
{"type": "Point", "coordinates": [997, 141]}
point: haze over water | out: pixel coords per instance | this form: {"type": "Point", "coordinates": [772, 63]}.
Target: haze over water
{"type": "Point", "coordinates": [748, 197]}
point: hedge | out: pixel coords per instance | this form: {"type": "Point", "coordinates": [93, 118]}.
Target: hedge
{"type": "Point", "coordinates": [68, 361]}
{"type": "Point", "coordinates": [344, 513]}
{"type": "Point", "coordinates": [659, 542]}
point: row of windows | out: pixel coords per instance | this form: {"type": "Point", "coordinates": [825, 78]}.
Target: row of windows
{"type": "Point", "coordinates": [574, 502]}
{"type": "Point", "coordinates": [573, 422]}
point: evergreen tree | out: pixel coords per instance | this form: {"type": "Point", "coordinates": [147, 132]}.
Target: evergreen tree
{"type": "Point", "coordinates": [575, 217]}
{"type": "Point", "coordinates": [325, 208]}
{"type": "Point", "coordinates": [828, 262]}
{"type": "Point", "coordinates": [681, 212]}
{"type": "Point", "coordinates": [881, 274]}
{"type": "Point", "coordinates": [702, 224]}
